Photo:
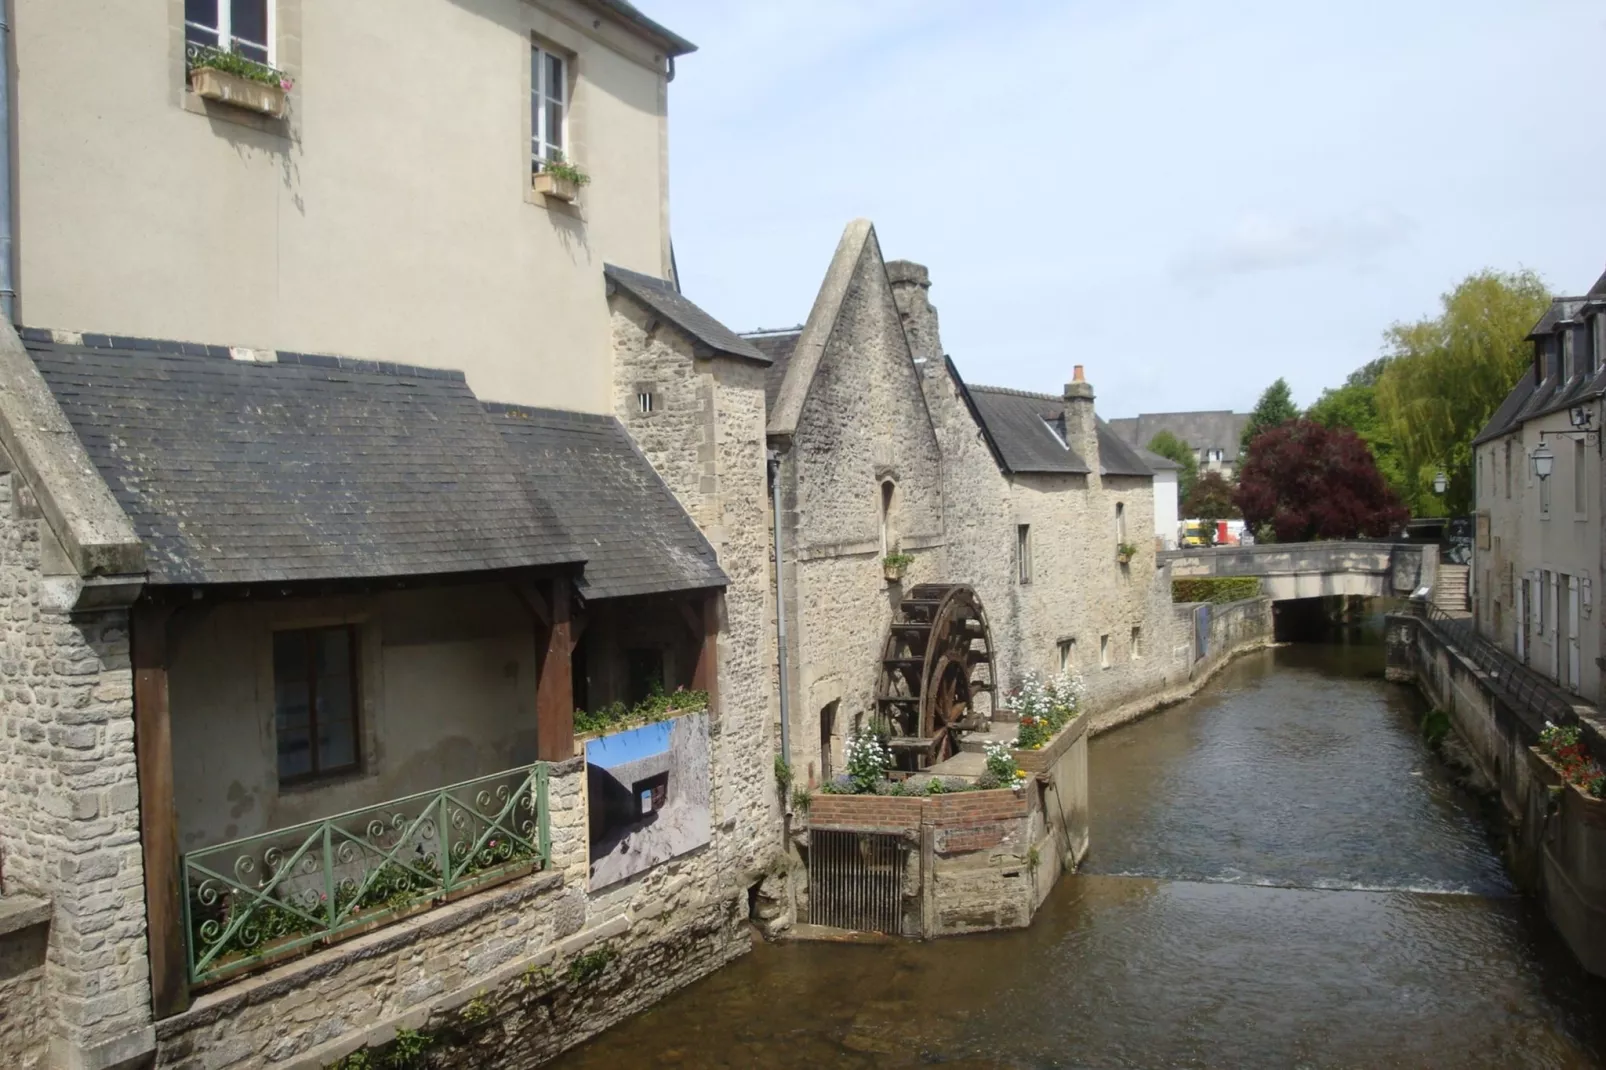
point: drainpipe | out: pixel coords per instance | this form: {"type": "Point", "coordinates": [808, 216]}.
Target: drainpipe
{"type": "Point", "coordinates": [8, 290]}
{"type": "Point", "coordinates": [780, 604]}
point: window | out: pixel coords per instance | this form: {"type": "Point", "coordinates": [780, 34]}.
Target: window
{"type": "Point", "coordinates": [1120, 522]}
{"type": "Point", "coordinates": [242, 26]}
{"type": "Point", "coordinates": [315, 701]}
{"type": "Point", "coordinates": [1067, 648]}
{"type": "Point", "coordinates": [888, 543]}
{"type": "Point", "coordinates": [1508, 468]}
{"type": "Point", "coordinates": [1104, 652]}
{"type": "Point", "coordinates": [1565, 340]}
{"type": "Point", "coordinates": [644, 401]}
{"type": "Point", "coordinates": [1590, 340]}
{"type": "Point", "coordinates": [1580, 486]}
{"type": "Point", "coordinates": [1137, 643]}
{"type": "Point", "coordinates": [549, 98]}
{"type": "Point", "coordinates": [1023, 551]}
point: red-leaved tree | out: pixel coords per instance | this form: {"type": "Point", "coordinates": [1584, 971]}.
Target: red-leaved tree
{"type": "Point", "coordinates": [1308, 482]}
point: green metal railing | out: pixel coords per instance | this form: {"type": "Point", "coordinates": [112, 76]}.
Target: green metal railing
{"type": "Point", "coordinates": [256, 900]}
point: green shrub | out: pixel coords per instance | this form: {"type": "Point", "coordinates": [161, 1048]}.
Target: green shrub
{"type": "Point", "coordinates": [1218, 590]}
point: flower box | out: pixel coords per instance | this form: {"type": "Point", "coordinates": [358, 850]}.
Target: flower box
{"type": "Point", "coordinates": [1041, 761]}
{"type": "Point", "coordinates": [1124, 557]}
{"type": "Point", "coordinates": [237, 92]}
{"type": "Point", "coordinates": [894, 573]}
{"type": "Point", "coordinates": [557, 187]}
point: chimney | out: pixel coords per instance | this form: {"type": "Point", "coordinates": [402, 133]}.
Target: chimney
{"type": "Point", "coordinates": [910, 281]}
{"type": "Point", "coordinates": [1081, 425]}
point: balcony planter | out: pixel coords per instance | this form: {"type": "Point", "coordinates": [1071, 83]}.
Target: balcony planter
{"type": "Point", "coordinates": [237, 92]}
{"type": "Point", "coordinates": [557, 187]}
{"type": "Point", "coordinates": [1125, 552]}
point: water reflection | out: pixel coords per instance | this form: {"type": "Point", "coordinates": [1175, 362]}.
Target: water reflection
{"type": "Point", "coordinates": [1223, 919]}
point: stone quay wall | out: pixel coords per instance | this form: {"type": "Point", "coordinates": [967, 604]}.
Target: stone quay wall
{"type": "Point", "coordinates": [1557, 835]}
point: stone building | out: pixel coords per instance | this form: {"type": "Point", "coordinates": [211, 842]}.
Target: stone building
{"type": "Point", "coordinates": [290, 643]}
{"type": "Point", "coordinates": [1537, 471]}
{"type": "Point", "coordinates": [1213, 434]}
{"type": "Point", "coordinates": [882, 447]}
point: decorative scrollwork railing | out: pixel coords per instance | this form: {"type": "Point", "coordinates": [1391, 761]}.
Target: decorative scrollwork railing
{"type": "Point", "coordinates": [263, 898]}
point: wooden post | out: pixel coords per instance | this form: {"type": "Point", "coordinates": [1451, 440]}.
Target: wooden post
{"type": "Point", "coordinates": [705, 676]}
{"type": "Point", "coordinates": [158, 815]}
{"type": "Point", "coordinates": [554, 692]}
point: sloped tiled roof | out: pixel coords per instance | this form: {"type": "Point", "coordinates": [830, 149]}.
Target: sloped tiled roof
{"type": "Point", "coordinates": [668, 302]}
{"type": "Point", "coordinates": [1212, 429]}
{"type": "Point", "coordinates": [636, 537]}
{"type": "Point", "coordinates": [677, 45]}
{"type": "Point", "coordinates": [778, 346]}
{"type": "Point", "coordinates": [310, 468]}
{"type": "Point", "coordinates": [1027, 431]}
{"type": "Point", "coordinates": [1529, 399]}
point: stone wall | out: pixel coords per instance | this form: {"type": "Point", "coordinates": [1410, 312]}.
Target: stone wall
{"type": "Point", "coordinates": [24, 1010]}
{"type": "Point", "coordinates": [69, 800]}
{"type": "Point", "coordinates": [862, 426]}
{"type": "Point", "coordinates": [1557, 835]}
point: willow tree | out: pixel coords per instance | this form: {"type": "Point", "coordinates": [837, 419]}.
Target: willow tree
{"type": "Point", "coordinates": [1445, 376]}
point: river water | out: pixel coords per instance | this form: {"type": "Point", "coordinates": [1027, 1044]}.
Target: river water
{"type": "Point", "coordinates": [1281, 875]}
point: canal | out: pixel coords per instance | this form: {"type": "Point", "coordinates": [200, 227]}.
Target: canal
{"type": "Point", "coordinates": [1282, 874]}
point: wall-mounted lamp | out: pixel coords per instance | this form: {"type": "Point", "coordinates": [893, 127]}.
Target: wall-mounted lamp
{"type": "Point", "coordinates": [1440, 482]}
{"type": "Point", "coordinates": [1544, 461]}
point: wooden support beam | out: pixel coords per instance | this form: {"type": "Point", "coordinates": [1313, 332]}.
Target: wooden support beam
{"type": "Point", "coordinates": [158, 815]}
{"type": "Point", "coordinates": [530, 595]}
{"type": "Point", "coordinates": [554, 692]}
{"type": "Point", "coordinates": [705, 675]}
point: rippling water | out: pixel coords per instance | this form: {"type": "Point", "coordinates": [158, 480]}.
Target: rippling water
{"type": "Point", "coordinates": [1280, 876]}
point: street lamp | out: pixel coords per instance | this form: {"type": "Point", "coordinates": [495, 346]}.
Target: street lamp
{"type": "Point", "coordinates": [1544, 461]}
{"type": "Point", "coordinates": [1440, 482]}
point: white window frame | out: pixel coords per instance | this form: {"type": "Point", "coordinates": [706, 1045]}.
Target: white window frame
{"type": "Point", "coordinates": [1023, 554]}
{"type": "Point", "coordinates": [644, 402]}
{"type": "Point", "coordinates": [1104, 652]}
{"type": "Point", "coordinates": [541, 93]}
{"type": "Point", "coordinates": [225, 31]}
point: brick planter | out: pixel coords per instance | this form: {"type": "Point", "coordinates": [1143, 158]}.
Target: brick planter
{"type": "Point", "coordinates": [906, 813]}
{"type": "Point", "coordinates": [1039, 762]}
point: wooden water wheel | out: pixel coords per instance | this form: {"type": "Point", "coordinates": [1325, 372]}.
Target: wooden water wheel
{"type": "Point", "coordinates": [935, 665]}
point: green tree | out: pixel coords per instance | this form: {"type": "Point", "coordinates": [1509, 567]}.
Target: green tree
{"type": "Point", "coordinates": [1445, 376]}
{"type": "Point", "coordinates": [1211, 500]}
{"type": "Point", "coordinates": [1170, 446]}
{"type": "Point", "coordinates": [1275, 408]}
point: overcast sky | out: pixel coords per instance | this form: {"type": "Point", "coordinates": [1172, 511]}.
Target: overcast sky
{"type": "Point", "coordinates": [1189, 198]}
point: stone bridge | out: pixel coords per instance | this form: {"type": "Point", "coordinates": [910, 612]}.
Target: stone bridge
{"type": "Point", "coordinates": [1316, 569]}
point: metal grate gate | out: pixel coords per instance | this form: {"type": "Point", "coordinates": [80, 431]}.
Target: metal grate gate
{"type": "Point", "coordinates": [856, 880]}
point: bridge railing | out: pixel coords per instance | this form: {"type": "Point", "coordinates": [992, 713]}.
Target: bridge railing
{"type": "Point", "coordinates": [1534, 698]}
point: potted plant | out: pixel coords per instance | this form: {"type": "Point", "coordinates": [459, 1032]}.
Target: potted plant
{"type": "Point", "coordinates": [1125, 552]}
{"type": "Point", "coordinates": [230, 78]}
{"type": "Point", "coordinates": [560, 179]}
{"type": "Point", "coordinates": [896, 564]}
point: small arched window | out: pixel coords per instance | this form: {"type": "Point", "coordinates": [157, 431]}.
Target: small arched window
{"type": "Point", "coordinates": [1120, 522]}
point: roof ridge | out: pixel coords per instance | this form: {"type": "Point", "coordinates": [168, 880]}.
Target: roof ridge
{"type": "Point", "coordinates": [35, 336]}
{"type": "Point", "coordinates": [764, 332]}
{"type": "Point", "coordinates": [510, 408]}
{"type": "Point", "coordinates": [1017, 393]}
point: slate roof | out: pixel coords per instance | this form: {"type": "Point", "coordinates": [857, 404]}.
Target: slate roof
{"type": "Point", "coordinates": [310, 468]}
{"type": "Point", "coordinates": [1154, 461]}
{"type": "Point", "coordinates": [1529, 399]}
{"type": "Point", "coordinates": [1027, 432]}
{"type": "Point", "coordinates": [668, 302]}
{"type": "Point", "coordinates": [1213, 429]}
{"type": "Point", "coordinates": [778, 346]}
{"type": "Point", "coordinates": [636, 537]}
